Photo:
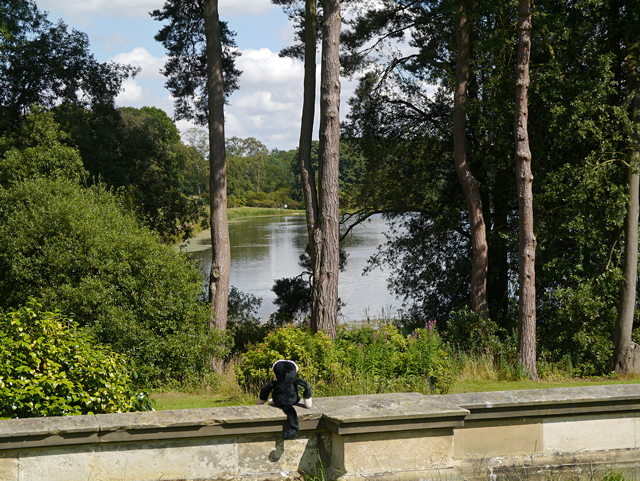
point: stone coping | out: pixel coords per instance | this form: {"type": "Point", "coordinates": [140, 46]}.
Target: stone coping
{"type": "Point", "coordinates": [388, 412]}
{"type": "Point", "coordinates": [341, 415]}
{"type": "Point", "coordinates": [546, 402]}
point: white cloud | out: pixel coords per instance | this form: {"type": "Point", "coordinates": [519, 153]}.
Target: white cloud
{"type": "Point", "coordinates": [131, 95]}
{"type": "Point", "coordinates": [140, 57]}
{"type": "Point", "coordinates": [264, 67]}
{"type": "Point", "coordinates": [242, 8]}
{"type": "Point", "coordinates": [112, 42]}
{"type": "Point", "coordinates": [261, 101]}
{"type": "Point", "coordinates": [82, 9]}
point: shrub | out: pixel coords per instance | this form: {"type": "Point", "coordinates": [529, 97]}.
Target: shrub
{"type": "Point", "coordinates": [49, 366]}
{"type": "Point", "coordinates": [385, 354]}
{"type": "Point", "coordinates": [579, 324]}
{"type": "Point", "coordinates": [76, 250]}
{"type": "Point", "coordinates": [37, 149]}
{"type": "Point", "coordinates": [315, 355]}
{"type": "Point", "coordinates": [364, 360]}
{"type": "Point", "coordinates": [472, 332]}
{"type": "Point", "coordinates": [243, 325]}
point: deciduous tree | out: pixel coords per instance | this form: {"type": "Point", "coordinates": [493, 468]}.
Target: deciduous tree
{"type": "Point", "coordinates": [43, 63]}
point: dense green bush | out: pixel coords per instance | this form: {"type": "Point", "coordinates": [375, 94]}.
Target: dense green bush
{"type": "Point", "coordinates": [378, 359]}
{"type": "Point", "coordinates": [384, 353]}
{"type": "Point", "coordinates": [583, 320]}
{"type": "Point", "coordinates": [243, 325]}
{"type": "Point", "coordinates": [49, 366]}
{"type": "Point", "coordinates": [36, 148]}
{"type": "Point", "coordinates": [472, 332]}
{"type": "Point", "coordinates": [315, 355]}
{"type": "Point", "coordinates": [77, 251]}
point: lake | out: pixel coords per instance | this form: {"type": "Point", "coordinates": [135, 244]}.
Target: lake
{"type": "Point", "coordinates": [267, 248]}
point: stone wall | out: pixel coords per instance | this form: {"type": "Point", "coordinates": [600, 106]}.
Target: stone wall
{"type": "Point", "coordinates": [540, 432]}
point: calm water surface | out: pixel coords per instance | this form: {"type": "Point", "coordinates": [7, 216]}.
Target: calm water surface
{"type": "Point", "coordinates": [267, 248]}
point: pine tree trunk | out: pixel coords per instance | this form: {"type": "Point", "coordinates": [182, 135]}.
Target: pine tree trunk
{"type": "Point", "coordinates": [307, 175]}
{"type": "Point", "coordinates": [527, 304]}
{"type": "Point", "coordinates": [626, 354]}
{"type": "Point", "coordinates": [467, 180]}
{"type": "Point", "coordinates": [326, 234]}
{"type": "Point", "coordinates": [221, 253]}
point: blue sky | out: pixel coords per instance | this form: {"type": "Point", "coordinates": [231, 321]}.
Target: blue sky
{"type": "Point", "coordinates": [268, 104]}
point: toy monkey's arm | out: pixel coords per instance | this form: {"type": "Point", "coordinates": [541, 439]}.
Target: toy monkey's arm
{"type": "Point", "coordinates": [306, 395]}
{"type": "Point", "coordinates": [264, 393]}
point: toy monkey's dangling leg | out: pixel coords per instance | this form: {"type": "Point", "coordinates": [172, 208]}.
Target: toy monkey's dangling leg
{"type": "Point", "coordinates": [292, 417]}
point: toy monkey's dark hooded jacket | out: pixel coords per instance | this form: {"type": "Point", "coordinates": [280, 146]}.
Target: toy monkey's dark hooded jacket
{"type": "Point", "coordinates": [285, 393]}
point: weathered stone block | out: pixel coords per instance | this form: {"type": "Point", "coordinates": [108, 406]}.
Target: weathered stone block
{"type": "Point", "coordinates": [399, 451]}
{"type": "Point", "coordinates": [269, 454]}
{"type": "Point", "coordinates": [185, 459]}
{"type": "Point", "coordinates": [589, 433]}
{"type": "Point", "coordinates": [9, 466]}
{"type": "Point", "coordinates": [497, 438]}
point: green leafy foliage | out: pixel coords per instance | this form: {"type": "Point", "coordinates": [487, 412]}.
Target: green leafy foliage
{"type": "Point", "coordinates": [382, 357]}
{"type": "Point", "coordinates": [44, 63]}
{"type": "Point", "coordinates": [582, 322]}
{"type": "Point", "coordinates": [36, 148]}
{"type": "Point", "coordinates": [243, 325]}
{"type": "Point", "coordinates": [385, 354]}
{"type": "Point", "coordinates": [315, 355]}
{"type": "Point", "coordinates": [138, 152]}
{"type": "Point", "coordinates": [77, 251]}
{"type": "Point", "coordinates": [49, 366]}
{"type": "Point", "coordinates": [472, 332]}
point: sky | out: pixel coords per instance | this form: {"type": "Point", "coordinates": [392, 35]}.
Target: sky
{"type": "Point", "coordinates": [268, 104]}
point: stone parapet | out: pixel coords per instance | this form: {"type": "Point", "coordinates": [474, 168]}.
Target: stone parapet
{"type": "Point", "coordinates": [403, 436]}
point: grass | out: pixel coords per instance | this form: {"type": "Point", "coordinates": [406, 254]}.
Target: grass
{"type": "Point", "coordinates": [237, 212]}
{"type": "Point", "coordinates": [474, 375]}
{"type": "Point", "coordinates": [481, 385]}
{"type": "Point", "coordinates": [166, 400]}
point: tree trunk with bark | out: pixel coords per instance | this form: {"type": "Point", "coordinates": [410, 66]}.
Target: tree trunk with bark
{"type": "Point", "coordinates": [326, 232]}
{"type": "Point", "coordinates": [221, 253]}
{"type": "Point", "coordinates": [626, 354]}
{"type": "Point", "coordinates": [307, 174]}
{"type": "Point", "coordinates": [468, 182]}
{"type": "Point", "coordinates": [527, 303]}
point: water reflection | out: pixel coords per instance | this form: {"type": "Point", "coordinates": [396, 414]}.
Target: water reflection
{"type": "Point", "coordinates": [267, 248]}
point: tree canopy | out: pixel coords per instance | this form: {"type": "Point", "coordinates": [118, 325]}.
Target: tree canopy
{"type": "Point", "coordinates": [579, 129]}
{"type": "Point", "coordinates": [184, 39]}
{"type": "Point", "coordinates": [44, 63]}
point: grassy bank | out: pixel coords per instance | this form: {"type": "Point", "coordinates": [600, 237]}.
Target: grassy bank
{"type": "Point", "coordinates": [236, 212]}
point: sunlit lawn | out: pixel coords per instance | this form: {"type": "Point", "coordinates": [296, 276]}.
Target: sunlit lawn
{"type": "Point", "coordinates": [179, 400]}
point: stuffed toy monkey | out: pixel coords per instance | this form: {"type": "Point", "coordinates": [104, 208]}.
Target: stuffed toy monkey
{"type": "Point", "coordinates": [285, 393]}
